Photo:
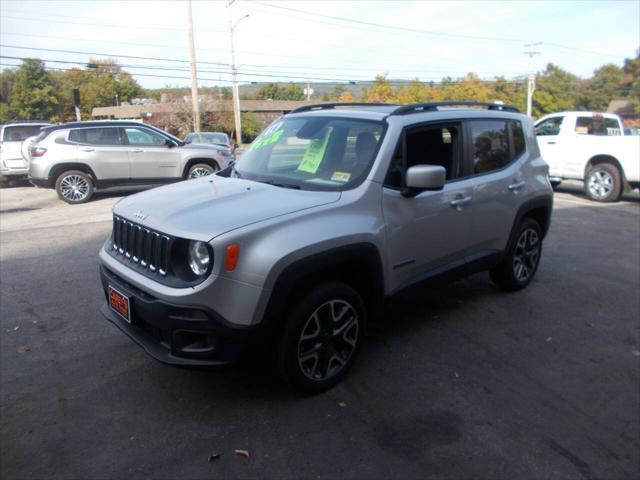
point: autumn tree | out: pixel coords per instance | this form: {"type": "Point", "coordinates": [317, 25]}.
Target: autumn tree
{"type": "Point", "coordinates": [346, 97]}
{"type": "Point", "coordinates": [412, 93]}
{"type": "Point", "coordinates": [380, 92]}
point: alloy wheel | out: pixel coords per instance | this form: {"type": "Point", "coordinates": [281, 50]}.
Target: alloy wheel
{"type": "Point", "coordinates": [74, 188]}
{"type": "Point", "coordinates": [328, 340]}
{"type": "Point", "coordinates": [200, 172]}
{"type": "Point", "coordinates": [600, 184]}
{"type": "Point", "coordinates": [526, 255]}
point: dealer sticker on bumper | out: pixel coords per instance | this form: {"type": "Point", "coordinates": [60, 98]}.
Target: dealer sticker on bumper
{"type": "Point", "coordinates": [119, 303]}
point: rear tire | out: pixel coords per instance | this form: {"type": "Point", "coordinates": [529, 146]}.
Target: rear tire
{"type": "Point", "coordinates": [321, 338]}
{"type": "Point", "coordinates": [603, 183]}
{"type": "Point", "coordinates": [74, 186]}
{"type": "Point", "coordinates": [520, 264]}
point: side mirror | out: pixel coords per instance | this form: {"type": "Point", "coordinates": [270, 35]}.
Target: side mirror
{"type": "Point", "coordinates": [235, 145]}
{"type": "Point", "coordinates": [424, 177]}
{"type": "Point", "coordinates": [170, 143]}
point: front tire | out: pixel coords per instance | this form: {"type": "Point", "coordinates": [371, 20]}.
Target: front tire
{"type": "Point", "coordinates": [322, 337]}
{"type": "Point", "coordinates": [200, 170]}
{"type": "Point", "coordinates": [74, 186]}
{"type": "Point", "coordinates": [603, 183]}
{"type": "Point", "coordinates": [520, 264]}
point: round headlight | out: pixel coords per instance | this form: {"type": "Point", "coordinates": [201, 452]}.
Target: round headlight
{"type": "Point", "coordinates": [199, 257]}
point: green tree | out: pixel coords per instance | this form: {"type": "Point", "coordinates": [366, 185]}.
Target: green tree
{"type": "Point", "coordinates": [32, 92]}
{"type": "Point", "coordinates": [337, 91]}
{"type": "Point", "coordinates": [556, 90]}
{"type": "Point", "coordinates": [631, 81]}
{"type": "Point", "coordinates": [273, 91]}
{"type": "Point", "coordinates": [605, 85]}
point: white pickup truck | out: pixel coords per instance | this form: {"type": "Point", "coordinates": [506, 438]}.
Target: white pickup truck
{"type": "Point", "coordinates": [591, 147]}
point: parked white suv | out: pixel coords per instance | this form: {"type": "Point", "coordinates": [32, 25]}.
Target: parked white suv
{"type": "Point", "coordinates": [76, 158]}
{"type": "Point", "coordinates": [591, 147]}
{"type": "Point", "coordinates": [12, 164]}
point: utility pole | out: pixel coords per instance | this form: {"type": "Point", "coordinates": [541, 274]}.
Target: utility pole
{"type": "Point", "coordinates": [531, 83]}
{"type": "Point", "coordinates": [308, 91]}
{"type": "Point", "coordinates": [234, 72]}
{"type": "Point", "coordinates": [195, 101]}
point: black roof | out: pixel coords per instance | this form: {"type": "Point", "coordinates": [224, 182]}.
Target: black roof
{"type": "Point", "coordinates": [92, 123]}
{"type": "Point", "coordinates": [394, 109]}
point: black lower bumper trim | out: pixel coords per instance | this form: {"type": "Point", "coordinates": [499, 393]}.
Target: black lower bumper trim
{"type": "Point", "coordinates": [176, 335]}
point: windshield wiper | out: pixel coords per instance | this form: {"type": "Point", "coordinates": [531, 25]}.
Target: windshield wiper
{"type": "Point", "coordinates": [284, 185]}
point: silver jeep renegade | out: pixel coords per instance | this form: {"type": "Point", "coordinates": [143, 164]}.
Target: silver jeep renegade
{"type": "Point", "coordinates": [333, 209]}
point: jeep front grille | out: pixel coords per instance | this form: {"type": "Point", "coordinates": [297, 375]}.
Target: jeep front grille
{"type": "Point", "coordinates": [140, 245]}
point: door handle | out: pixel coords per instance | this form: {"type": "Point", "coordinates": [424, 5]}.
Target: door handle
{"type": "Point", "coordinates": [87, 149]}
{"type": "Point", "coordinates": [137, 150]}
{"type": "Point", "coordinates": [516, 186]}
{"type": "Point", "coordinates": [459, 202]}
{"type": "Point", "coordinates": [551, 143]}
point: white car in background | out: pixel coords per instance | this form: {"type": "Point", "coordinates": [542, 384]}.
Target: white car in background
{"type": "Point", "coordinates": [591, 147]}
{"type": "Point", "coordinates": [12, 135]}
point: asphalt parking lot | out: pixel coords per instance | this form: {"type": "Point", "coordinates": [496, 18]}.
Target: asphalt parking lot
{"type": "Point", "coordinates": [462, 382]}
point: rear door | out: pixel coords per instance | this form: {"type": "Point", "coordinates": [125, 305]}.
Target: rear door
{"type": "Point", "coordinates": [103, 150]}
{"type": "Point", "coordinates": [150, 156]}
{"type": "Point", "coordinates": [498, 152]}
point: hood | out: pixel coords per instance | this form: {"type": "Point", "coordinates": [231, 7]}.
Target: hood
{"type": "Point", "coordinates": [206, 207]}
{"type": "Point", "coordinates": [203, 146]}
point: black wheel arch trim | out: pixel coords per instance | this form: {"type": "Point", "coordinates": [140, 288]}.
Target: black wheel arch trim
{"type": "Point", "coordinates": [212, 162]}
{"type": "Point", "coordinates": [324, 265]}
{"type": "Point", "coordinates": [538, 208]}
{"type": "Point", "coordinates": [59, 168]}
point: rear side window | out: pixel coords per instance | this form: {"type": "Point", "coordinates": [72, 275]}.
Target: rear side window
{"type": "Point", "coordinates": [597, 126]}
{"type": "Point", "coordinates": [95, 136]}
{"type": "Point", "coordinates": [517, 135]}
{"type": "Point", "coordinates": [19, 133]}
{"type": "Point", "coordinates": [490, 145]}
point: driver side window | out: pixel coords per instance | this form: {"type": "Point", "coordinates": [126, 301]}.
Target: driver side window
{"type": "Point", "coordinates": [551, 126]}
{"type": "Point", "coordinates": [140, 136]}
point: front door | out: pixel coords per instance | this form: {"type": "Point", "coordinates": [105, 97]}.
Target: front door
{"type": "Point", "coordinates": [150, 156]}
{"type": "Point", "coordinates": [430, 231]}
{"type": "Point", "coordinates": [552, 149]}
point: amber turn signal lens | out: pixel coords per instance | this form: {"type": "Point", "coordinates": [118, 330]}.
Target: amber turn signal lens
{"type": "Point", "coordinates": [233, 251]}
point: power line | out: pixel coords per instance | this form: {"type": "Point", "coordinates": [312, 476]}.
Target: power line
{"type": "Point", "coordinates": [325, 81]}
{"type": "Point", "coordinates": [266, 74]}
{"type": "Point", "coordinates": [435, 33]}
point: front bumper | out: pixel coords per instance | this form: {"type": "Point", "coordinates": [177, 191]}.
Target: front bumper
{"type": "Point", "coordinates": [176, 335]}
{"type": "Point", "coordinates": [40, 182]}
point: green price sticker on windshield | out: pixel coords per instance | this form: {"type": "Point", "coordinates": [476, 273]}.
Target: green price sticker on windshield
{"type": "Point", "coordinates": [314, 154]}
{"type": "Point", "coordinates": [268, 140]}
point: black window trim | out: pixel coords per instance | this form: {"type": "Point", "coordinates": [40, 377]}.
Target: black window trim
{"type": "Point", "coordinates": [142, 127]}
{"type": "Point", "coordinates": [74, 142]}
{"type": "Point", "coordinates": [459, 123]}
{"type": "Point", "coordinates": [512, 159]}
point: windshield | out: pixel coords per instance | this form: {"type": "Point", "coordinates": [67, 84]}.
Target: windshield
{"type": "Point", "coordinates": [213, 138]}
{"type": "Point", "coordinates": [19, 133]}
{"type": "Point", "coordinates": [312, 153]}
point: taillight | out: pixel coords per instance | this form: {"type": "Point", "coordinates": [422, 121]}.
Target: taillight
{"type": "Point", "coordinates": [38, 151]}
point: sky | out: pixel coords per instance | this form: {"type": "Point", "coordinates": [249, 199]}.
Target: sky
{"type": "Point", "coordinates": [322, 41]}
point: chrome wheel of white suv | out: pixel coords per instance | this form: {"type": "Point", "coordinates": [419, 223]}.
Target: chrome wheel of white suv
{"type": "Point", "coordinates": [201, 170]}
